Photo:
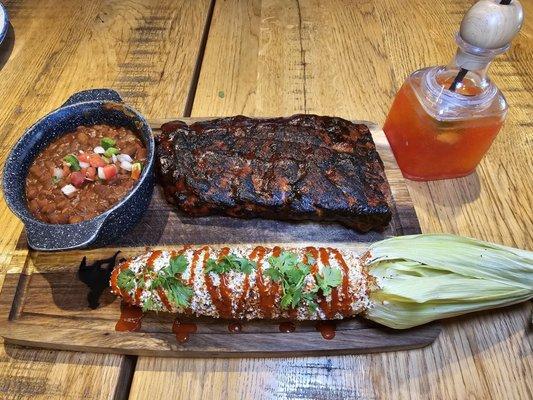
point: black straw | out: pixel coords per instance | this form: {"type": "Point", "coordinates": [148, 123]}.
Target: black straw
{"type": "Point", "coordinates": [505, 2]}
{"type": "Point", "coordinates": [460, 76]}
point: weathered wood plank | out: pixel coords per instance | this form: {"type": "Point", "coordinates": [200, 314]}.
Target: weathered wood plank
{"type": "Point", "coordinates": [145, 49]}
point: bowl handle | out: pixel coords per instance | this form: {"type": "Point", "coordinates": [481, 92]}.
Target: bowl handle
{"type": "Point", "coordinates": [92, 95]}
{"type": "Point", "coordinates": [47, 237]}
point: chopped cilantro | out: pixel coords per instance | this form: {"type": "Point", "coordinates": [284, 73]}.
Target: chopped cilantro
{"type": "Point", "coordinates": [126, 280]}
{"type": "Point", "coordinates": [331, 277]}
{"type": "Point", "coordinates": [178, 265]}
{"type": "Point", "coordinates": [230, 262]}
{"type": "Point", "coordinates": [168, 278]}
{"type": "Point", "coordinates": [291, 273]}
{"type": "Point", "coordinates": [148, 304]}
{"type": "Point", "coordinates": [178, 293]}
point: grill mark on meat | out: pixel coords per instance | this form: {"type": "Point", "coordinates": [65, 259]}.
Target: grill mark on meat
{"type": "Point", "coordinates": [303, 167]}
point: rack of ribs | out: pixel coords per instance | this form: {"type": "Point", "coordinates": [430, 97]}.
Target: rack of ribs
{"type": "Point", "coordinates": [303, 167]}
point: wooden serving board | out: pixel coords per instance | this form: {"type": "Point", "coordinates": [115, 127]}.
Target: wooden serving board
{"type": "Point", "coordinates": [44, 304]}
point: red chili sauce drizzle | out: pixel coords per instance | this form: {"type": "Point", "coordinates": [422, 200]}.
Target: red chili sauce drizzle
{"type": "Point", "coordinates": [130, 318]}
{"type": "Point", "coordinates": [322, 302]}
{"type": "Point", "coordinates": [160, 291]}
{"type": "Point", "coordinates": [265, 303]}
{"type": "Point", "coordinates": [221, 296]}
{"type": "Point", "coordinates": [114, 282]}
{"type": "Point", "coordinates": [164, 298]}
{"type": "Point", "coordinates": [154, 256]}
{"type": "Point", "coordinates": [314, 253]}
{"type": "Point", "coordinates": [347, 299]}
{"type": "Point", "coordinates": [287, 327]}
{"type": "Point", "coordinates": [235, 327]}
{"type": "Point", "coordinates": [326, 329]}
{"type": "Point", "coordinates": [183, 330]}
{"type": "Point", "coordinates": [195, 257]}
{"type": "Point", "coordinates": [245, 288]}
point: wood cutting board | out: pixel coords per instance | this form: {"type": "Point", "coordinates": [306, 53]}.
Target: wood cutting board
{"type": "Point", "coordinates": [44, 304]}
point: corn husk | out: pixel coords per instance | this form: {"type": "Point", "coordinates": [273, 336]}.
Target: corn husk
{"type": "Point", "coordinates": [421, 278]}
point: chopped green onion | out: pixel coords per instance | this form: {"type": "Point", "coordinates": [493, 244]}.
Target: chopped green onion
{"type": "Point", "coordinates": [421, 278]}
{"type": "Point", "coordinates": [111, 151]}
{"type": "Point", "coordinates": [73, 162]}
{"type": "Point", "coordinates": [106, 143]}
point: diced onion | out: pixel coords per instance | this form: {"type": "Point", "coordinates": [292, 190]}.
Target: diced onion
{"type": "Point", "coordinates": [84, 164]}
{"type": "Point", "coordinates": [58, 173]}
{"type": "Point", "coordinates": [101, 173]}
{"type": "Point", "coordinates": [68, 190]}
{"type": "Point", "coordinates": [124, 157]}
{"type": "Point", "coordinates": [99, 150]}
{"type": "Point", "coordinates": [114, 158]}
{"type": "Point", "coordinates": [125, 165]}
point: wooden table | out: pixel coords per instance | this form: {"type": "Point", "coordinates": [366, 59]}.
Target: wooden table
{"type": "Point", "coordinates": [277, 57]}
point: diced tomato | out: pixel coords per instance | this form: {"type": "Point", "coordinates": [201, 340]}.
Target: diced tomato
{"type": "Point", "coordinates": [77, 179]}
{"type": "Point", "coordinates": [96, 161]}
{"type": "Point", "coordinates": [83, 157]}
{"type": "Point", "coordinates": [90, 174]}
{"type": "Point", "coordinates": [110, 171]}
{"type": "Point", "coordinates": [83, 171]}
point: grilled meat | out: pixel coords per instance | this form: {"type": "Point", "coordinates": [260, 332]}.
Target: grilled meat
{"type": "Point", "coordinates": [304, 167]}
{"type": "Point", "coordinates": [332, 284]}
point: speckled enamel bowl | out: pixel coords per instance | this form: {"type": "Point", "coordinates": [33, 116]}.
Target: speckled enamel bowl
{"type": "Point", "coordinates": [90, 107]}
{"type": "Point", "coordinates": [4, 23]}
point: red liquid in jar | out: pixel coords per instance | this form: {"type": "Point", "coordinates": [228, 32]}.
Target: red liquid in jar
{"type": "Point", "coordinates": [428, 149]}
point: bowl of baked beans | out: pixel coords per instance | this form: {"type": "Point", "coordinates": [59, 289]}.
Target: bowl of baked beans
{"type": "Point", "coordinates": [82, 175]}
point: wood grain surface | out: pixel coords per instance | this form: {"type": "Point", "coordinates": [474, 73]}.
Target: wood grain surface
{"type": "Point", "coordinates": [272, 57]}
{"type": "Point", "coordinates": [348, 59]}
{"type": "Point", "coordinates": [147, 51]}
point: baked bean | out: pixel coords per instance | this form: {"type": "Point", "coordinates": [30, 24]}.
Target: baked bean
{"type": "Point", "coordinates": [83, 137]}
{"type": "Point", "coordinates": [48, 208]}
{"type": "Point", "coordinates": [140, 153]}
{"type": "Point", "coordinates": [35, 170]}
{"type": "Point", "coordinates": [130, 150]}
{"type": "Point", "coordinates": [74, 219]}
{"type": "Point", "coordinates": [49, 203]}
{"type": "Point", "coordinates": [32, 193]}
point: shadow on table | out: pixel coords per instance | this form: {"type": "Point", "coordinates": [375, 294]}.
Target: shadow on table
{"type": "Point", "coordinates": [450, 193]}
{"type": "Point", "coordinates": [6, 47]}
